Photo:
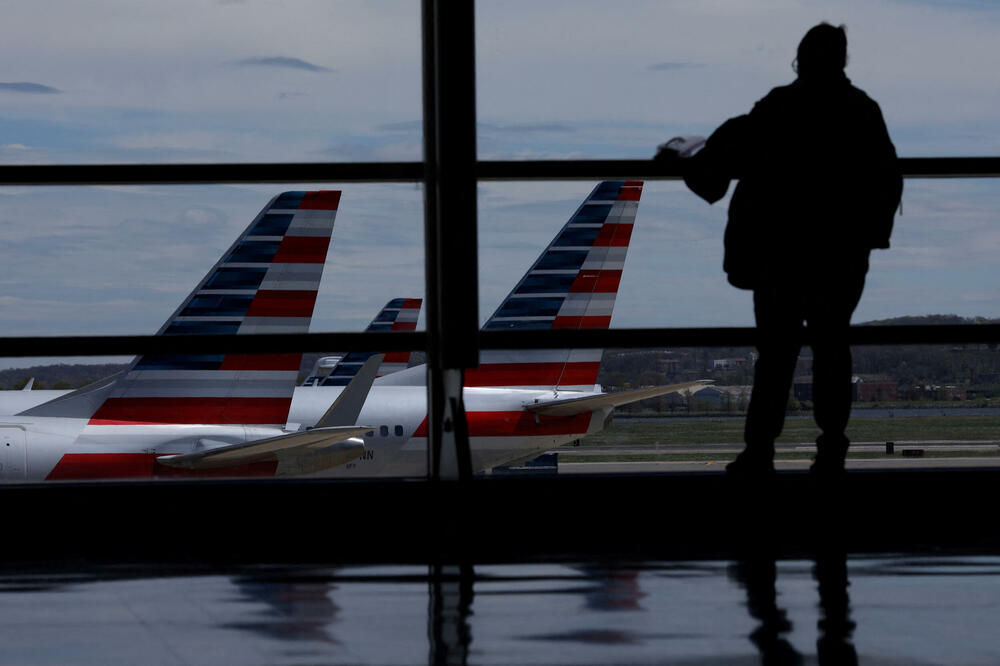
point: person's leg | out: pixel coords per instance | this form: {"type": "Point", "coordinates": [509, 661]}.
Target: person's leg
{"type": "Point", "coordinates": [829, 319]}
{"type": "Point", "coordinates": [779, 322]}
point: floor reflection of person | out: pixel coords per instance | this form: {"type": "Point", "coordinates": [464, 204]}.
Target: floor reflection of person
{"type": "Point", "coordinates": [836, 629]}
{"type": "Point", "coordinates": [757, 575]}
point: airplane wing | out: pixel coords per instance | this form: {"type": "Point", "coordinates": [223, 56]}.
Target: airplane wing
{"type": "Point", "coordinates": [571, 406]}
{"type": "Point", "coordinates": [337, 440]}
{"type": "Point", "coordinates": [333, 432]}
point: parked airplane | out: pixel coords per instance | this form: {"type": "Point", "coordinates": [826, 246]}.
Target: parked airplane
{"type": "Point", "coordinates": [214, 414]}
{"type": "Point", "coordinates": [518, 402]}
{"type": "Point", "coordinates": [399, 314]}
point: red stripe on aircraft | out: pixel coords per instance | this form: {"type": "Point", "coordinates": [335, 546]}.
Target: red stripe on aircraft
{"type": "Point", "coordinates": [412, 303]}
{"type": "Point", "coordinates": [302, 250]}
{"type": "Point", "coordinates": [404, 326]}
{"type": "Point", "coordinates": [396, 357]}
{"type": "Point", "coordinates": [519, 424]}
{"type": "Point", "coordinates": [193, 410]}
{"type": "Point", "coordinates": [582, 322]}
{"type": "Point", "coordinates": [533, 374]}
{"type": "Point", "coordinates": [279, 303]}
{"type": "Point", "coordinates": [77, 466]}
{"type": "Point", "coordinates": [599, 282]}
{"type": "Point", "coordinates": [630, 192]}
{"type": "Point", "coordinates": [614, 235]}
{"type": "Point", "coordinates": [321, 200]}
{"type": "Point", "coordinates": [261, 362]}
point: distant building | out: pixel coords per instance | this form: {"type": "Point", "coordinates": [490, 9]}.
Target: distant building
{"type": "Point", "coordinates": [873, 390]}
{"type": "Point", "coordinates": [728, 363]}
{"type": "Point", "coordinates": [719, 395]}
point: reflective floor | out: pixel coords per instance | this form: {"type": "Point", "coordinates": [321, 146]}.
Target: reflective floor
{"type": "Point", "coordinates": [869, 610]}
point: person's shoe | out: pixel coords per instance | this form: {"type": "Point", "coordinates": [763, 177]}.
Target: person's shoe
{"type": "Point", "coordinates": [830, 456]}
{"type": "Point", "coordinates": [749, 465]}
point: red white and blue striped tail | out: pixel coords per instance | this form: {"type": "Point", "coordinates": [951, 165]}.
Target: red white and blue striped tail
{"type": "Point", "coordinates": [573, 284]}
{"type": "Point", "coordinates": [399, 314]}
{"type": "Point", "coordinates": [265, 283]}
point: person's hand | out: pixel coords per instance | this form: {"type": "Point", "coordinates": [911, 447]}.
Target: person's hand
{"type": "Point", "coordinates": [679, 147]}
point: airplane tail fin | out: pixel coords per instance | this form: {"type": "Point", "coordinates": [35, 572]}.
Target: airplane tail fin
{"type": "Point", "coordinates": [399, 314]}
{"type": "Point", "coordinates": [572, 284]}
{"type": "Point", "coordinates": [265, 283]}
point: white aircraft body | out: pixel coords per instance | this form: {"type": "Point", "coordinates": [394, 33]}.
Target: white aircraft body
{"type": "Point", "coordinates": [154, 422]}
{"type": "Point", "coordinates": [518, 403]}
{"type": "Point", "coordinates": [206, 414]}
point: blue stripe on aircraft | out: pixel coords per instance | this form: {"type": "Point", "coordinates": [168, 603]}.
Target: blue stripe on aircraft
{"type": "Point", "coordinates": [289, 200]}
{"type": "Point", "coordinates": [236, 278]}
{"type": "Point", "coordinates": [531, 307]}
{"type": "Point", "coordinates": [608, 190]}
{"type": "Point", "coordinates": [520, 325]}
{"type": "Point", "coordinates": [546, 284]}
{"type": "Point", "coordinates": [571, 259]}
{"type": "Point", "coordinates": [578, 236]}
{"type": "Point", "coordinates": [254, 252]}
{"type": "Point", "coordinates": [593, 213]}
{"type": "Point", "coordinates": [202, 327]}
{"type": "Point", "coordinates": [218, 306]}
{"type": "Point", "coordinates": [271, 225]}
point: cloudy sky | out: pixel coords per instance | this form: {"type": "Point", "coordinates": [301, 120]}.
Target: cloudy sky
{"type": "Point", "coordinates": [261, 80]}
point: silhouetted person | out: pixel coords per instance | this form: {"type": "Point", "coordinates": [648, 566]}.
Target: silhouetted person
{"type": "Point", "coordinates": [818, 187]}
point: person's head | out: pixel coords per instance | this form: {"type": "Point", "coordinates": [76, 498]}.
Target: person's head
{"type": "Point", "coordinates": [822, 52]}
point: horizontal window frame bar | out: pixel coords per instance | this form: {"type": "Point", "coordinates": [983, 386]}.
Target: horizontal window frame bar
{"type": "Point", "coordinates": [411, 172]}
{"type": "Point", "coordinates": [623, 338]}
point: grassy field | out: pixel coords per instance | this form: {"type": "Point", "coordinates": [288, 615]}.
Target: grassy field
{"type": "Point", "coordinates": [909, 429]}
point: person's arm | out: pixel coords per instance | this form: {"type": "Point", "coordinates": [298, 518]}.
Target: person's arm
{"type": "Point", "coordinates": [709, 171]}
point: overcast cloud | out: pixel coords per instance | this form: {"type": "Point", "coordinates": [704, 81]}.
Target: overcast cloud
{"type": "Point", "coordinates": [141, 82]}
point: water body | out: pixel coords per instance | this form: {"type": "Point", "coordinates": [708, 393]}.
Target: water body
{"type": "Point", "coordinates": [879, 610]}
{"type": "Point", "coordinates": [903, 412]}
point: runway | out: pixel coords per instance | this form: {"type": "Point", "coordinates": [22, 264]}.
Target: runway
{"type": "Point", "coordinates": [714, 457]}
{"type": "Point", "coordinates": [644, 467]}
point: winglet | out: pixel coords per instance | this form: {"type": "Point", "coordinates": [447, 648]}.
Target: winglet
{"type": "Point", "coordinates": [573, 406]}
{"type": "Point", "coordinates": [347, 407]}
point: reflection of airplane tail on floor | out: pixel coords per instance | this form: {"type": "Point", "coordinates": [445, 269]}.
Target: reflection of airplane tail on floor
{"type": "Point", "coordinates": [216, 413]}
{"type": "Point", "coordinates": [399, 314]}
{"type": "Point", "coordinates": [519, 402]}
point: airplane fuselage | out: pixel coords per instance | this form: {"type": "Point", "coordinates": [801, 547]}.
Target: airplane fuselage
{"type": "Point", "coordinates": [500, 428]}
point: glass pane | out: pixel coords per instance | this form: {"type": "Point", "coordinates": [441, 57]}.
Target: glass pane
{"type": "Point", "coordinates": [142, 82]}
{"type": "Point", "coordinates": [939, 270]}
{"type": "Point", "coordinates": [121, 260]}
{"type": "Point", "coordinates": [561, 80]}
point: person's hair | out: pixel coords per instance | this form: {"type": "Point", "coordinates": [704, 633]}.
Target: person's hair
{"type": "Point", "coordinates": [823, 51]}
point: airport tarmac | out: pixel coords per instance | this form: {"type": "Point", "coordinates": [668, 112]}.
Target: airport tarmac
{"type": "Point", "coordinates": [716, 456]}
{"type": "Point", "coordinates": [643, 467]}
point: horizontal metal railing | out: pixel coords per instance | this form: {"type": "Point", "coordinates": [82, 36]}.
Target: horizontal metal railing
{"type": "Point", "coordinates": [389, 172]}
{"type": "Point", "coordinates": [114, 345]}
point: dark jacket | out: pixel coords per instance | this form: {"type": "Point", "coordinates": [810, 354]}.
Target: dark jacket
{"type": "Point", "coordinates": [819, 182]}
